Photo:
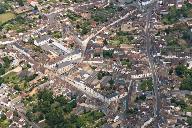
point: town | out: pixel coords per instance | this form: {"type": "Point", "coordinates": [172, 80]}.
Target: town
{"type": "Point", "coordinates": [95, 63]}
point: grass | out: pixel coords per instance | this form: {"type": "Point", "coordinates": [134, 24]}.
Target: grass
{"type": "Point", "coordinates": [121, 38]}
{"type": "Point", "coordinates": [147, 85]}
{"type": "Point", "coordinates": [14, 80]}
{"type": "Point", "coordinates": [11, 78]}
{"type": "Point", "coordinates": [188, 109]}
{"type": "Point", "coordinates": [4, 124]}
{"type": "Point", "coordinates": [19, 24]}
{"type": "Point", "coordinates": [91, 119]}
{"type": "Point", "coordinates": [6, 17]}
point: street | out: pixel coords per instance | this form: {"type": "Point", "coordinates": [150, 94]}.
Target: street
{"type": "Point", "coordinates": [148, 43]}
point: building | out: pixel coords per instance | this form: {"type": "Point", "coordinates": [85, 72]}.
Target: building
{"type": "Point", "coordinates": [64, 67]}
{"type": "Point", "coordinates": [190, 1]}
{"type": "Point", "coordinates": [145, 2]}
{"type": "Point", "coordinates": [42, 40]}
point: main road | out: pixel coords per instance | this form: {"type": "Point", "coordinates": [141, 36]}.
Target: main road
{"type": "Point", "coordinates": [148, 42]}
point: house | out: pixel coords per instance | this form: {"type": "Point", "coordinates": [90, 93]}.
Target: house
{"type": "Point", "coordinates": [189, 23]}
{"type": "Point", "coordinates": [145, 2]}
{"type": "Point", "coordinates": [42, 40]}
{"type": "Point", "coordinates": [19, 48]}
{"type": "Point", "coordinates": [180, 3]}
{"type": "Point", "coordinates": [139, 76]}
{"type": "Point", "coordinates": [126, 47]}
{"type": "Point", "coordinates": [171, 3]}
{"type": "Point", "coordinates": [9, 115]}
{"type": "Point", "coordinates": [190, 64]}
{"type": "Point", "coordinates": [64, 67]}
{"type": "Point", "coordinates": [33, 2]}
{"type": "Point", "coordinates": [190, 1]}
{"type": "Point", "coordinates": [128, 27]}
{"type": "Point", "coordinates": [86, 15]}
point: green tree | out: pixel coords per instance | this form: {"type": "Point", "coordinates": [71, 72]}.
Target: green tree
{"type": "Point", "coordinates": [6, 61]}
{"type": "Point", "coordinates": [2, 70]}
{"type": "Point", "coordinates": [189, 121]}
{"type": "Point", "coordinates": [108, 53]}
{"type": "Point", "coordinates": [16, 87]}
{"type": "Point", "coordinates": [1, 80]}
{"type": "Point", "coordinates": [61, 99]}
{"type": "Point", "coordinates": [111, 82]}
{"type": "Point", "coordinates": [186, 84]}
{"type": "Point", "coordinates": [2, 9]}
{"type": "Point", "coordinates": [46, 95]}
{"type": "Point", "coordinates": [20, 2]}
{"type": "Point", "coordinates": [55, 116]}
{"type": "Point", "coordinates": [180, 70]}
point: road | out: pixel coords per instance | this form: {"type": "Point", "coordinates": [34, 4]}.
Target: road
{"type": "Point", "coordinates": [17, 69]}
{"type": "Point", "coordinates": [148, 42]}
{"type": "Point", "coordinates": [128, 97]}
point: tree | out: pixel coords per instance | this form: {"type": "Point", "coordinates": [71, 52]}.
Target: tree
{"type": "Point", "coordinates": [141, 97]}
{"type": "Point", "coordinates": [105, 42]}
{"type": "Point", "coordinates": [111, 82]}
{"type": "Point", "coordinates": [2, 9]}
{"type": "Point", "coordinates": [16, 87]}
{"type": "Point", "coordinates": [15, 113]}
{"type": "Point", "coordinates": [55, 116]}
{"type": "Point", "coordinates": [58, 112]}
{"type": "Point", "coordinates": [69, 106]}
{"type": "Point", "coordinates": [189, 121]}
{"type": "Point", "coordinates": [46, 95]}
{"type": "Point", "coordinates": [180, 70]}
{"type": "Point", "coordinates": [1, 80]}
{"type": "Point", "coordinates": [187, 35]}
{"type": "Point", "coordinates": [180, 103]}
{"type": "Point", "coordinates": [108, 53]}
{"type": "Point", "coordinates": [28, 65]}
{"type": "Point", "coordinates": [2, 70]}
{"type": "Point", "coordinates": [20, 2]}
{"type": "Point", "coordinates": [170, 71]}
{"type": "Point", "coordinates": [57, 34]}
{"type": "Point", "coordinates": [186, 83]}
{"type": "Point", "coordinates": [35, 8]}
{"type": "Point", "coordinates": [6, 61]}
{"type": "Point", "coordinates": [61, 99]}
{"type": "Point", "coordinates": [99, 76]}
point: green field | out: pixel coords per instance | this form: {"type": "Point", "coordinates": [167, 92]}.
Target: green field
{"type": "Point", "coordinates": [6, 17]}
{"type": "Point", "coordinates": [15, 81]}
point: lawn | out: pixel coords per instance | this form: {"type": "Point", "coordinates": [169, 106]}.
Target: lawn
{"type": "Point", "coordinates": [91, 119]}
{"type": "Point", "coordinates": [121, 38]}
{"type": "Point", "coordinates": [17, 82]}
{"type": "Point", "coordinates": [6, 17]}
{"type": "Point", "coordinates": [19, 24]}
{"type": "Point", "coordinates": [147, 85]}
{"type": "Point", "coordinates": [126, 63]}
{"type": "Point", "coordinates": [4, 123]}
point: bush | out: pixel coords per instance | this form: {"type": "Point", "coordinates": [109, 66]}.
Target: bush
{"type": "Point", "coordinates": [108, 53]}
{"type": "Point", "coordinates": [180, 70]}
{"type": "Point", "coordinates": [189, 121]}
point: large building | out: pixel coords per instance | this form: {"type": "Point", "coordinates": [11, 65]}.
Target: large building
{"type": "Point", "coordinates": [145, 2]}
